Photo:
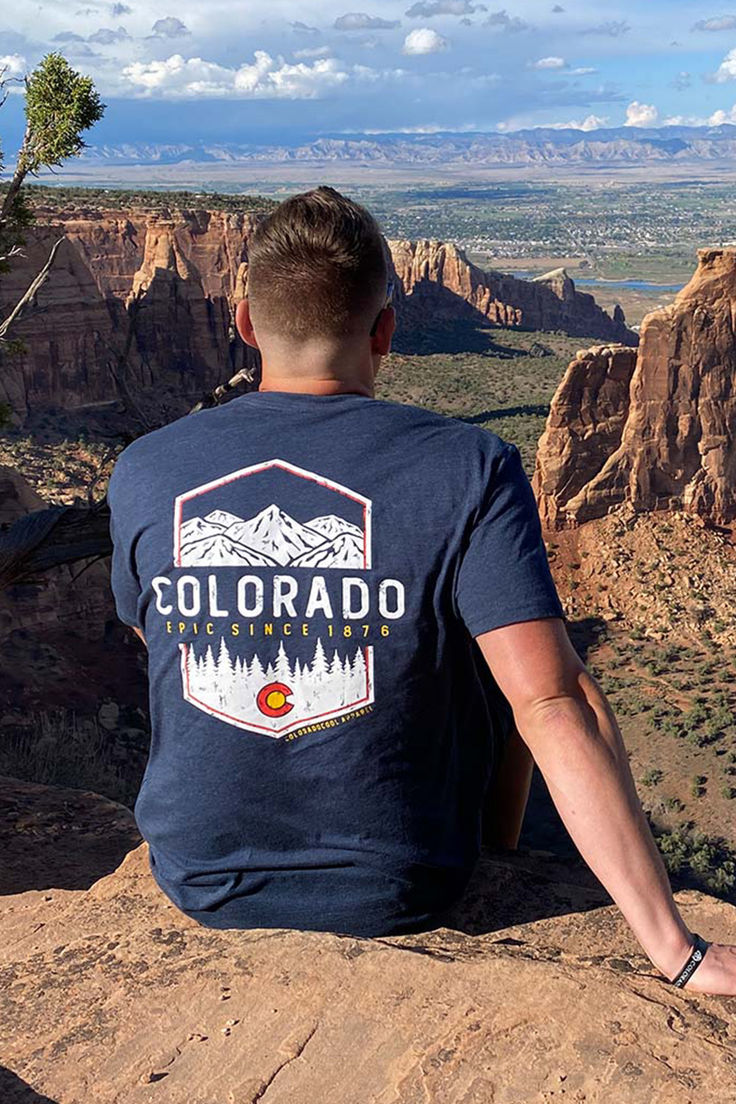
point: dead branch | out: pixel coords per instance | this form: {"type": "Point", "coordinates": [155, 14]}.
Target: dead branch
{"type": "Point", "coordinates": [25, 303]}
{"type": "Point", "coordinates": [50, 538]}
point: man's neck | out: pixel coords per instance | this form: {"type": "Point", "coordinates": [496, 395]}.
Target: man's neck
{"type": "Point", "coordinates": [308, 385]}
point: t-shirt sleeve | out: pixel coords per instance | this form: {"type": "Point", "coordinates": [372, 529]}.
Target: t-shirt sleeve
{"type": "Point", "coordinates": [124, 579]}
{"type": "Point", "coordinates": [504, 574]}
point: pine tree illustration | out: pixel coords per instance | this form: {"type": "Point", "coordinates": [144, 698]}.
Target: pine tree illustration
{"type": "Point", "coordinates": [224, 663]}
{"type": "Point", "coordinates": [358, 669]}
{"type": "Point", "coordinates": [255, 670]}
{"type": "Point", "coordinates": [283, 667]}
{"type": "Point", "coordinates": [208, 668]}
{"type": "Point", "coordinates": [335, 669]}
{"type": "Point", "coordinates": [319, 663]}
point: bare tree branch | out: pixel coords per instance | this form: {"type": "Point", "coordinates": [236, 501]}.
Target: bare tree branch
{"type": "Point", "coordinates": [49, 538]}
{"type": "Point", "coordinates": [25, 303]}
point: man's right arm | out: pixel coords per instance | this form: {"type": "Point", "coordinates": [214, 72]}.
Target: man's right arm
{"type": "Point", "coordinates": [563, 717]}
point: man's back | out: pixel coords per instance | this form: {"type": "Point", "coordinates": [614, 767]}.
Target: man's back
{"type": "Point", "coordinates": [309, 572]}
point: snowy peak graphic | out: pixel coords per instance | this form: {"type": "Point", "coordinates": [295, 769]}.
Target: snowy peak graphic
{"type": "Point", "coordinates": [269, 539]}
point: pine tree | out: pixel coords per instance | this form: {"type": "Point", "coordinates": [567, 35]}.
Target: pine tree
{"type": "Point", "coordinates": [255, 672]}
{"type": "Point", "coordinates": [319, 663]}
{"type": "Point", "coordinates": [208, 669]}
{"type": "Point", "coordinates": [358, 672]}
{"type": "Point", "coordinates": [283, 667]}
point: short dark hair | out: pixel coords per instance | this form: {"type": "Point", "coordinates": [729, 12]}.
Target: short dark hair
{"type": "Point", "coordinates": [317, 266]}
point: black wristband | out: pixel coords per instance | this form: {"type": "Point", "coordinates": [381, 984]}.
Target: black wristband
{"type": "Point", "coordinates": [696, 957]}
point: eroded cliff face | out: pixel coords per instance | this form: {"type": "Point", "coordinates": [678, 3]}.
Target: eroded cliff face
{"type": "Point", "coordinates": [438, 282]}
{"type": "Point", "coordinates": [140, 304]}
{"type": "Point", "coordinates": [657, 428]}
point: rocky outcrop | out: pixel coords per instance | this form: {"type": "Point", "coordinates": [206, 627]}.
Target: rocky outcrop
{"type": "Point", "coordinates": [61, 644]}
{"type": "Point", "coordinates": [584, 427]}
{"type": "Point", "coordinates": [137, 304]}
{"type": "Point", "coordinates": [140, 304]}
{"type": "Point", "coordinates": [437, 283]}
{"type": "Point", "coordinates": [658, 428]}
{"type": "Point", "coordinates": [534, 991]}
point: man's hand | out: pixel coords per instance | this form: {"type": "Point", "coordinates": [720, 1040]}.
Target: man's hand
{"type": "Point", "coordinates": [569, 727]}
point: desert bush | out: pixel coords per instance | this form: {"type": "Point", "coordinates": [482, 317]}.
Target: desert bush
{"type": "Point", "coordinates": [652, 776]}
{"type": "Point", "coordinates": [58, 748]}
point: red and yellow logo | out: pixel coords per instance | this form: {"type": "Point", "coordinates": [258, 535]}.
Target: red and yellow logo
{"type": "Point", "coordinates": [272, 699]}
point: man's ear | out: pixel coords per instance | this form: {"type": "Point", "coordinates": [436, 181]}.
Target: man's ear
{"type": "Point", "coordinates": [243, 323]}
{"type": "Point", "coordinates": [381, 341]}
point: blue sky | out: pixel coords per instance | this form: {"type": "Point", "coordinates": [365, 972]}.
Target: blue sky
{"type": "Point", "coordinates": [229, 70]}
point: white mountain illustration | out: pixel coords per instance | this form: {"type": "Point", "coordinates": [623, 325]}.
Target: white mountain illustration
{"type": "Point", "coordinates": [331, 526]}
{"type": "Point", "coordinates": [346, 550]}
{"type": "Point", "coordinates": [275, 533]}
{"type": "Point", "coordinates": [271, 538]}
{"type": "Point", "coordinates": [221, 518]}
{"type": "Point", "coordinates": [221, 551]}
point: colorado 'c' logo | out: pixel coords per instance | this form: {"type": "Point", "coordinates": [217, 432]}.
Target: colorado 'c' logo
{"type": "Point", "coordinates": [272, 699]}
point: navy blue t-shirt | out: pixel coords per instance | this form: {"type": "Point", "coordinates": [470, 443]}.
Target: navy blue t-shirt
{"type": "Point", "coordinates": [309, 573]}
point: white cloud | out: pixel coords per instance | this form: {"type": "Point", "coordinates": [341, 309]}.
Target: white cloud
{"type": "Point", "coordinates": [106, 36]}
{"type": "Point", "coordinates": [313, 52]}
{"type": "Point", "coordinates": [718, 118]}
{"type": "Point", "coordinates": [267, 77]}
{"type": "Point", "coordinates": [583, 71]}
{"type": "Point", "coordinates": [548, 63]}
{"type": "Point", "coordinates": [510, 23]}
{"type": "Point", "coordinates": [303, 28]}
{"type": "Point", "coordinates": [424, 41]}
{"type": "Point", "coordinates": [170, 27]}
{"type": "Point", "coordinates": [641, 115]}
{"type": "Point", "coordinates": [612, 28]}
{"type": "Point", "coordinates": [425, 9]}
{"type": "Point", "coordinates": [717, 23]}
{"type": "Point", "coordinates": [590, 122]}
{"type": "Point", "coordinates": [359, 21]}
{"type": "Point", "coordinates": [12, 65]}
{"type": "Point", "coordinates": [726, 71]}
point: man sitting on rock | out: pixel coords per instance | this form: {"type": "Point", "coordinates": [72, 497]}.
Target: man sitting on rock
{"type": "Point", "coordinates": [354, 638]}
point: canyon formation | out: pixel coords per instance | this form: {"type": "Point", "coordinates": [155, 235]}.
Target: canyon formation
{"type": "Point", "coordinates": [139, 307]}
{"type": "Point", "coordinates": [655, 426]}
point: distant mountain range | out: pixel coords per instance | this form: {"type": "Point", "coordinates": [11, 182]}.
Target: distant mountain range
{"type": "Point", "coordinates": [272, 538]}
{"type": "Point", "coordinates": [542, 145]}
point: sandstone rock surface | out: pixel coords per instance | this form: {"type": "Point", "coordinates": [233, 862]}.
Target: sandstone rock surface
{"type": "Point", "coordinates": [659, 430]}
{"type": "Point", "coordinates": [439, 283]}
{"type": "Point", "coordinates": [185, 266]}
{"type": "Point", "coordinates": [537, 993]}
{"type": "Point", "coordinates": [141, 303]}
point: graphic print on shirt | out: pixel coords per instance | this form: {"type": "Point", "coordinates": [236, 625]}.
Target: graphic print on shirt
{"type": "Point", "coordinates": [279, 551]}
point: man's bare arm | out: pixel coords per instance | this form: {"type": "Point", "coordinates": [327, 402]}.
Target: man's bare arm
{"type": "Point", "coordinates": [138, 632]}
{"type": "Point", "coordinates": [563, 717]}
